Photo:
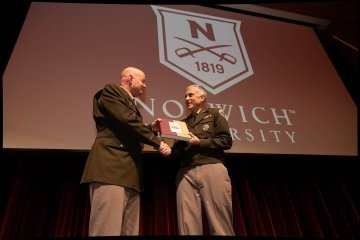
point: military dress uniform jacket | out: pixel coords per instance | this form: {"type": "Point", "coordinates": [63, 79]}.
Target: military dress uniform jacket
{"type": "Point", "coordinates": [115, 157]}
{"type": "Point", "coordinates": [211, 127]}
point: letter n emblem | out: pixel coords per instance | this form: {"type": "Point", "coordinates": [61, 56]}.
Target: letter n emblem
{"type": "Point", "coordinates": [207, 50]}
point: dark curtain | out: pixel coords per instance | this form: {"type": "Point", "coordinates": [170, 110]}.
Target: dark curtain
{"type": "Point", "coordinates": [277, 196]}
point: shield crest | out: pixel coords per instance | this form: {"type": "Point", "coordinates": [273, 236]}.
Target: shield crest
{"type": "Point", "coordinates": [207, 50]}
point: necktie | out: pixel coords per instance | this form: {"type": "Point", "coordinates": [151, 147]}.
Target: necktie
{"type": "Point", "coordinates": [194, 116]}
{"type": "Point", "coordinates": [133, 104]}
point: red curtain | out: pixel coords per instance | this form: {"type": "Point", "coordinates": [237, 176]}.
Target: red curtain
{"type": "Point", "coordinates": [273, 196]}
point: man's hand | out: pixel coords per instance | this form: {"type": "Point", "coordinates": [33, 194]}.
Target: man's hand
{"type": "Point", "coordinates": [164, 149]}
{"type": "Point", "coordinates": [155, 125]}
{"type": "Point", "coordinates": [194, 140]}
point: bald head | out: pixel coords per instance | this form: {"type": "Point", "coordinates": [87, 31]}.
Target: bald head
{"type": "Point", "coordinates": [133, 80]}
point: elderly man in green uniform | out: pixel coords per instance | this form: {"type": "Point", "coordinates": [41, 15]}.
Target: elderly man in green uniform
{"type": "Point", "coordinates": [202, 180]}
{"type": "Point", "coordinates": [114, 166]}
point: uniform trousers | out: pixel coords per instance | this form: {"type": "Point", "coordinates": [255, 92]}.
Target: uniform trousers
{"type": "Point", "coordinates": [115, 210]}
{"type": "Point", "coordinates": [205, 187]}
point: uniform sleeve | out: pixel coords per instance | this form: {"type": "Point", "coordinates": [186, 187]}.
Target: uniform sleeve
{"type": "Point", "coordinates": [222, 139]}
{"type": "Point", "coordinates": [124, 116]}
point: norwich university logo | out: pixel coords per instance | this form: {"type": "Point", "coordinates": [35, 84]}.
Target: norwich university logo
{"type": "Point", "coordinates": [207, 50]}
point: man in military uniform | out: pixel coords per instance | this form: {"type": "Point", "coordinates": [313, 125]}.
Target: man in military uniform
{"type": "Point", "coordinates": [202, 180]}
{"type": "Point", "coordinates": [114, 166]}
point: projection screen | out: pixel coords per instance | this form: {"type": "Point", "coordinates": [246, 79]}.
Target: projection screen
{"type": "Point", "coordinates": [273, 79]}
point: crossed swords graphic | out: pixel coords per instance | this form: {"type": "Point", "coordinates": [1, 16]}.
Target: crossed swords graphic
{"type": "Point", "coordinates": [184, 52]}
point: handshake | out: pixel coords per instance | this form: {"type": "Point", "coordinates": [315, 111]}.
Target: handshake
{"type": "Point", "coordinates": [164, 149]}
